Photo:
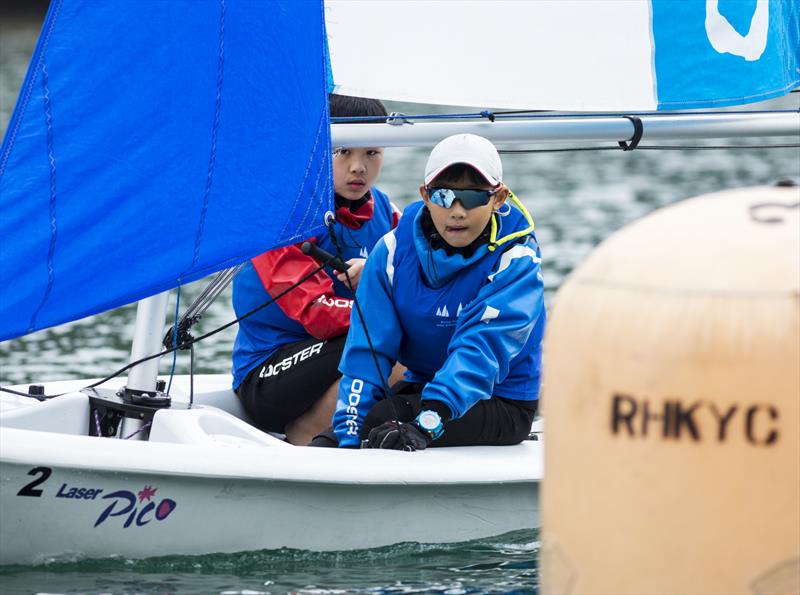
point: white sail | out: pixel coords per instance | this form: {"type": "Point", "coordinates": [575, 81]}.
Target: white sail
{"type": "Point", "coordinates": [555, 55]}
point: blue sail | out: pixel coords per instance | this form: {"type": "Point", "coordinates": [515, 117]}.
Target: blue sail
{"type": "Point", "coordinates": [154, 143]}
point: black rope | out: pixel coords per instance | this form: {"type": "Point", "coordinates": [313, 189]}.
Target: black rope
{"type": "Point", "coordinates": [180, 345]}
{"type": "Point", "coordinates": [384, 383]}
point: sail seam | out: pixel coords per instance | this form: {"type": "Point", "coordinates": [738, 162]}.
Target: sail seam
{"type": "Point", "coordinates": [51, 250]}
{"type": "Point", "coordinates": [320, 169]}
{"type": "Point", "coordinates": [325, 166]}
{"type": "Point", "coordinates": [734, 99]}
{"type": "Point", "coordinates": [29, 84]}
{"type": "Point", "coordinates": [302, 190]}
{"type": "Point", "coordinates": [212, 159]}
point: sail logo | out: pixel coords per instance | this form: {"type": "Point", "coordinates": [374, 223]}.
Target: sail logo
{"type": "Point", "coordinates": [124, 503]}
{"type": "Point", "coordinates": [363, 252]}
{"type": "Point", "coordinates": [726, 40]}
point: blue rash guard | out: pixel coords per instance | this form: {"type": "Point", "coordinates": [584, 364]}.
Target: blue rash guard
{"type": "Point", "coordinates": [467, 328]}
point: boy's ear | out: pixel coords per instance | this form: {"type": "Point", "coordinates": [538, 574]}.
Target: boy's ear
{"type": "Point", "coordinates": [423, 193]}
{"type": "Point", "coordinates": [501, 196]}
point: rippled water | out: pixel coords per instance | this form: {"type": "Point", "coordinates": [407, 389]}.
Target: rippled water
{"type": "Point", "coordinates": [577, 199]}
{"type": "Point", "coordinates": [505, 564]}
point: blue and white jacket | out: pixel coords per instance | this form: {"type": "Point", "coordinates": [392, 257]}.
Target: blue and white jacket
{"type": "Point", "coordinates": [468, 328]}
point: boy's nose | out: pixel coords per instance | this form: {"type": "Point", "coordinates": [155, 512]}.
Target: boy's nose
{"type": "Point", "coordinates": [457, 210]}
{"type": "Point", "coordinates": [357, 166]}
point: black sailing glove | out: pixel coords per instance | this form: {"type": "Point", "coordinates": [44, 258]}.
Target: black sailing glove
{"type": "Point", "coordinates": [397, 435]}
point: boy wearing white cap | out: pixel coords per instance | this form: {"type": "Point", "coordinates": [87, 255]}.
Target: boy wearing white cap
{"type": "Point", "coordinates": [455, 294]}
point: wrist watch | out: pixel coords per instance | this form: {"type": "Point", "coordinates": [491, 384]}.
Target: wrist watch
{"type": "Point", "coordinates": [430, 422]}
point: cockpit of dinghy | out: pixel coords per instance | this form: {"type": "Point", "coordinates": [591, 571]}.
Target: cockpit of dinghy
{"type": "Point", "coordinates": [102, 413]}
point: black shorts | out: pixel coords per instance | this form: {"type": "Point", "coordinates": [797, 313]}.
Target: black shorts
{"type": "Point", "coordinates": [283, 387]}
{"type": "Point", "coordinates": [495, 421]}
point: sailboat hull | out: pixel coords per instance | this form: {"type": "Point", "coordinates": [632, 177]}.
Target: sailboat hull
{"type": "Point", "coordinates": [208, 482]}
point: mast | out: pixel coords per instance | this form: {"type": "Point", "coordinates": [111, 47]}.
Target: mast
{"type": "Point", "coordinates": [151, 315]}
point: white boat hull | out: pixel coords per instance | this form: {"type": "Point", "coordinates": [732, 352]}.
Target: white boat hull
{"type": "Point", "coordinates": [208, 482]}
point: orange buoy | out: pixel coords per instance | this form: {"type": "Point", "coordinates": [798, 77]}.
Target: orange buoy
{"type": "Point", "coordinates": [671, 395]}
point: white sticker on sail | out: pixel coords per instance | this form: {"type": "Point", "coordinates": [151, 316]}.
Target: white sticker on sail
{"type": "Point", "coordinates": [547, 54]}
{"type": "Point", "coordinates": [726, 40]}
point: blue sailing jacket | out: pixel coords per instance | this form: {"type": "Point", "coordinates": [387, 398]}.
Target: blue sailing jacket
{"type": "Point", "coordinates": [320, 307]}
{"type": "Point", "coordinates": [468, 328]}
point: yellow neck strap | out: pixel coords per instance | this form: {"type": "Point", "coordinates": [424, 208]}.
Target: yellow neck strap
{"type": "Point", "coordinates": [493, 241]}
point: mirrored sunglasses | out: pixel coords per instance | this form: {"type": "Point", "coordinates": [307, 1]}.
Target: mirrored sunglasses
{"type": "Point", "coordinates": [469, 199]}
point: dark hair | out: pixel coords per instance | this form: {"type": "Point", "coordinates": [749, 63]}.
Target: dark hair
{"type": "Point", "coordinates": [345, 106]}
{"type": "Point", "coordinates": [457, 172]}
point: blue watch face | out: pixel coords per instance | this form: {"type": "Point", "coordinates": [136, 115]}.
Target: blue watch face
{"type": "Point", "coordinates": [429, 421]}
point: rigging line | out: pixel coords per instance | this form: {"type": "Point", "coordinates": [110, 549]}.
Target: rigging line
{"type": "Point", "coordinates": [212, 291]}
{"type": "Point", "coordinates": [583, 115]}
{"type": "Point", "coordinates": [398, 116]}
{"type": "Point", "coordinates": [175, 337]}
{"type": "Point", "coordinates": [196, 310]}
{"type": "Point", "coordinates": [174, 348]}
{"type": "Point", "coordinates": [650, 147]}
{"type": "Point", "coordinates": [547, 114]}
{"type": "Point", "coordinates": [202, 301]}
{"type": "Point", "coordinates": [354, 242]}
{"type": "Point", "coordinates": [522, 111]}
{"type": "Point", "coordinates": [139, 431]}
{"type": "Point", "coordinates": [384, 382]}
{"type": "Point", "coordinates": [191, 375]}
{"type": "Point", "coordinates": [344, 229]}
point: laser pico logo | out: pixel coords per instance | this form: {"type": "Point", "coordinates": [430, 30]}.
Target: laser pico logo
{"type": "Point", "coordinates": [131, 509]}
{"type": "Point", "coordinates": [137, 509]}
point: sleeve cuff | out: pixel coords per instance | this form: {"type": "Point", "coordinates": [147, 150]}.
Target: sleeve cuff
{"type": "Point", "coordinates": [440, 408]}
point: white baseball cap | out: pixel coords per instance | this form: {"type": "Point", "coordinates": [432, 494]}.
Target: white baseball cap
{"type": "Point", "coordinates": [469, 149]}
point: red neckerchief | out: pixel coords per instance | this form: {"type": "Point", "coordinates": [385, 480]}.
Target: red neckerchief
{"type": "Point", "coordinates": [355, 219]}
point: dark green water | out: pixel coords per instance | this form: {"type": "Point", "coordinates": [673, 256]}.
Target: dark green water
{"type": "Point", "coordinates": [506, 564]}
{"type": "Point", "coordinates": [577, 199]}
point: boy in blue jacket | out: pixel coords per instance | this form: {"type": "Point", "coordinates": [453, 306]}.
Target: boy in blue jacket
{"type": "Point", "coordinates": [455, 294]}
{"type": "Point", "coordinates": [286, 356]}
